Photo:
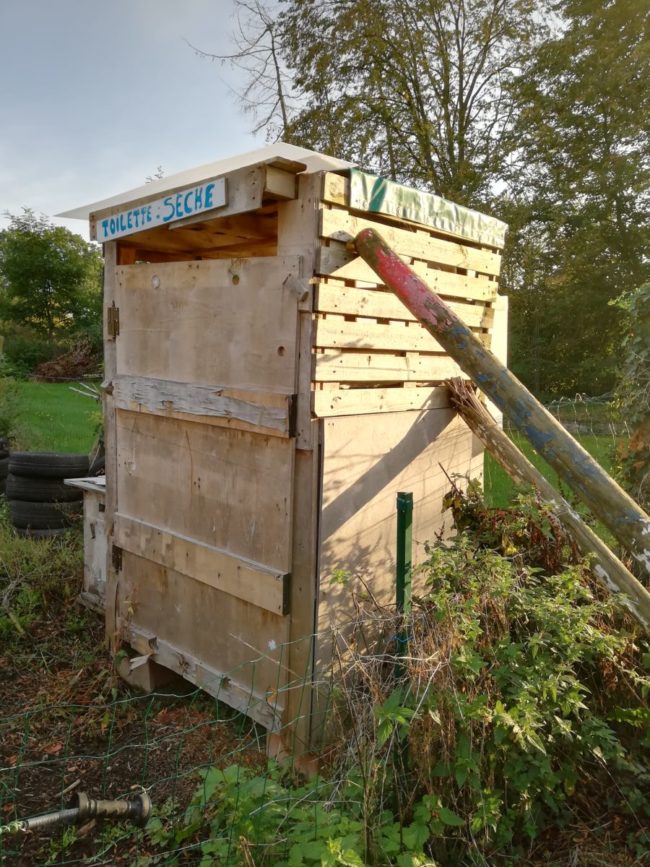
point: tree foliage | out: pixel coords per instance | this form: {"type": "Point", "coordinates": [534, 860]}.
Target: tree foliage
{"type": "Point", "coordinates": [580, 210]}
{"type": "Point", "coordinates": [633, 393]}
{"type": "Point", "coordinates": [534, 110]}
{"type": "Point", "coordinates": [419, 90]}
{"type": "Point", "coordinates": [49, 277]}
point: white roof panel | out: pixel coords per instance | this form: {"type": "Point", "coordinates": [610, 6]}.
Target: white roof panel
{"type": "Point", "coordinates": [314, 162]}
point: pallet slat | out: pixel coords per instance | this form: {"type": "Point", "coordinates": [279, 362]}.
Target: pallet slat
{"type": "Point", "coordinates": [361, 401]}
{"type": "Point", "coordinates": [343, 366]}
{"type": "Point", "coordinates": [338, 333]}
{"type": "Point", "coordinates": [338, 262]}
{"type": "Point", "coordinates": [331, 298]}
{"type": "Point", "coordinates": [339, 225]}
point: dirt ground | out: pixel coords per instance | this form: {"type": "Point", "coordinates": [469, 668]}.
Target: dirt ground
{"type": "Point", "coordinates": [68, 724]}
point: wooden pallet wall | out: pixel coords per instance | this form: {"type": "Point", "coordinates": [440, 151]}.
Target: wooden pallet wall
{"type": "Point", "coordinates": [370, 354]}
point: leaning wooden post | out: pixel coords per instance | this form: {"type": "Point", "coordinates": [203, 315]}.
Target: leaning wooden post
{"type": "Point", "coordinates": [625, 519]}
{"type": "Point", "coordinates": [607, 568]}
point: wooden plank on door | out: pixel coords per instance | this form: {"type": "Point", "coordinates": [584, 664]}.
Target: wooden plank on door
{"type": "Point", "coordinates": [253, 582]}
{"type": "Point", "coordinates": [227, 488]}
{"type": "Point", "coordinates": [228, 322]}
{"type": "Point", "coordinates": [264, 411]}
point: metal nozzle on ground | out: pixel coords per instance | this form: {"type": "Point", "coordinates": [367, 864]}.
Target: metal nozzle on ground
{"type": "Point", "coordinates": [137, 809]}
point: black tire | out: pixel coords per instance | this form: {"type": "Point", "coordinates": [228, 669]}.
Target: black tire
{"type": "Point", "coordinates": [40, 534]}
{"type": "Point", "coordinates": [4, 447]}
{"type": "Point", "coordinates": [4, 468]}
{"type": "Point", "coordinates": [47, 465]}
{"type": "Point", "coordinates": [43, 516]}
{"type": "Point", "coordinates": [41, 490]}
{"type": "Point", "coordinates": [98, 467]}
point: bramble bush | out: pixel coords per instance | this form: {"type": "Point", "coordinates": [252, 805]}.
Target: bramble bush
{"type": "Point", "coordinates": [517, 714]}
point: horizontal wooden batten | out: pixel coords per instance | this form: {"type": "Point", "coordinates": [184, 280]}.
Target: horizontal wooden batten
{"type": "Point", "coordinates": [265, 709]}
{"type": "Point", "coordinates": [344, 366]}
{"type": "Point", "coordinates": [267, 411]}
{"type": "Point", "coordinates": [339, 225]}
{"type": "Point", "coordinates": [339, 262]}
{"type": "Point", "coordinates": [362, 401]}
{"type": "Point", "coordinates": [335, 331]}
{"type": "Point", "coordinates": [332, 298]}
{"type": "Point", "coordinates": [253, 582]}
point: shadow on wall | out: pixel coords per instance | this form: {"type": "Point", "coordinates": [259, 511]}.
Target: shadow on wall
{"type": "Point", "coordinates": [368, 459]}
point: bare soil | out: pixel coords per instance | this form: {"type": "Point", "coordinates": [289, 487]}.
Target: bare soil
{"type": "Point", "coordinates": [69, 724]}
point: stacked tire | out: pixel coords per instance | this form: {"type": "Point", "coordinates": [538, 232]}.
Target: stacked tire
{"type": "Point", "coordinates": [4, 463]}
{"type": "Point", "coordinates": [40, 504]}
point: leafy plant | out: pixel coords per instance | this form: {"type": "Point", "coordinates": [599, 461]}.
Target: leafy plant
{"type": "Point", "coordinates": [279, 822]}
{"type": "Point", "coordinates": [519, 709]}
{"type": "Point", "coordinates": [633, 393]}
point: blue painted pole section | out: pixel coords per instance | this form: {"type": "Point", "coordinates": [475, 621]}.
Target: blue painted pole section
{"type": "Point", "coordinates": [625, 519]}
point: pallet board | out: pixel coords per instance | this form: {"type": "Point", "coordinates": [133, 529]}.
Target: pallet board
{"type": "Point", "coordinates": [338, 224]}
{"type": "Point", "coordinates": [266, 397]}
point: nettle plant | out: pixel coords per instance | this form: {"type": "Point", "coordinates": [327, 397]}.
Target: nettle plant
{"type": "Point", "coordinates": [516, 707]}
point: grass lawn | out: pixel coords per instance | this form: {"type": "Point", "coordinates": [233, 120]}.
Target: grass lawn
{"type": "Point", "coordinates": [499, 487]}
{"type": "Point", "coordinates": [53, 418]}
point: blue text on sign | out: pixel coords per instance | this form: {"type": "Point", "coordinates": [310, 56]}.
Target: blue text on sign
{"type": "Point", "coordinates": [175, 206]}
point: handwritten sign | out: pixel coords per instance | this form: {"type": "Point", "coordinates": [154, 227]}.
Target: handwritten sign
{"type": "Point", "coordinates": [175, 206]}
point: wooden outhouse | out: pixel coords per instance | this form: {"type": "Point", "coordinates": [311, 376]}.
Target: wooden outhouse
{"type": "Point", "coordinates": [265, 400]}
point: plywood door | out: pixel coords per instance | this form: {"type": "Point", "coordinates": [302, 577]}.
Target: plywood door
{"type": "Point", "coordinates": [204, 390]}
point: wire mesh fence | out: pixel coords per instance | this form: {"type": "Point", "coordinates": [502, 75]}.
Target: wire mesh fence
{"type": "Point", "coordinates": [68, 724]}
{"type": "Point", "coordinates": [595, 422]}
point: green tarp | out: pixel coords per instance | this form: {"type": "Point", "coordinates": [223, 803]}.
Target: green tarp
{"type": "Point", "coordinates": [379, 196]}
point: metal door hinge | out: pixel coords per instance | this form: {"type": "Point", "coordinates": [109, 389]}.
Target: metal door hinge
{"type": "Point", "coordinates": [113, 320]}
{"type": "Point", "coordinates": [116, 557]}
{"type": "Point", "coordinates": [293, 414]}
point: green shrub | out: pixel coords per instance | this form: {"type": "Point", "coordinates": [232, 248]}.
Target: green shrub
{"type": "Point", "coordinates": [9, 406]}
{"type": "Point", "coordinates": [25, 349]}
{"type": "Point", "coordinates": [519, 711]}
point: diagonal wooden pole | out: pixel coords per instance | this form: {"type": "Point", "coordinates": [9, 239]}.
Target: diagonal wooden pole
{"type": "Point", "coordinates": [607, 568]}
{"type": "Point", "coordinates": [627, 522]}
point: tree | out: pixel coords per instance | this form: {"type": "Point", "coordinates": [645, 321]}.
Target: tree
{"type": "Point", "coordinates": [268, 91]}
{"type": "Point", "coordinates": [416, 90]}
{"type": "Point", "coordinates": [580, 194]}
{"type": "Point", "coordinates": [536, 110]}
{"type": "Point", "coordinates": [50, 278]}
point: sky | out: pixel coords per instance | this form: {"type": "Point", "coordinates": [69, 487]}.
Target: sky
{"type": "Point", "coordinates": [95, 95]}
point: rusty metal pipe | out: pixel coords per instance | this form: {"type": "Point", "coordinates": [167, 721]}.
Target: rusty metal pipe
{"type": "Point", "coordinates": [136, 809]}
{"type": "Point", "coordinates": [625, 519]}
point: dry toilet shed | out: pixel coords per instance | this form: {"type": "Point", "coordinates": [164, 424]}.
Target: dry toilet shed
{"type": "Point", "coordinates": [265, 400]}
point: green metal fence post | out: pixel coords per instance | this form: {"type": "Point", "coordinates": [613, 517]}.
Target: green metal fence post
{"type": "Point", "coordinates": [403, 560]}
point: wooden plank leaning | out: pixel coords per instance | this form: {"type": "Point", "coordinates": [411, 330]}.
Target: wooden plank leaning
{"type": "Point", "coordinates": [607, 568]}
{"type": "Point", "coordinates": [628, 523]}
